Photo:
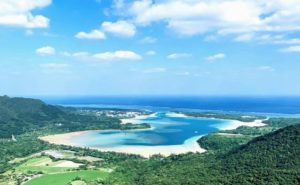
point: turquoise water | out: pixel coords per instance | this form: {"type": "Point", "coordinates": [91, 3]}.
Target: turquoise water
{"type": "Point", "coordinates": [167, 129]}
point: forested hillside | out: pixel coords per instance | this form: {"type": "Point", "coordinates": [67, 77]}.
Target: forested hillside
{"type": "Point", "coordinates": [21, 115]}
{"type": "Point", "coordinates": [269, 159]}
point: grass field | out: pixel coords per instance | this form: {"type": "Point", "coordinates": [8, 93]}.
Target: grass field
{"type": "Point", "coordinates": [44, 170]}
{"type": "Point", "coordinates": [43, 164]}
{"type": "Point", "coordinates": [65, 178]}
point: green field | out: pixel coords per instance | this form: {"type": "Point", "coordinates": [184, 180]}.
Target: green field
{"type": "Point", "coordinates": [43, 164]}
{"type": "Point", "coordinates": [65, 178]}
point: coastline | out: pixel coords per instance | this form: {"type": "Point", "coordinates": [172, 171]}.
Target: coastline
{"type": "Point", "coordinates": [234, 124]}
{"type": "Point", "coordinates": [136, 119]}
{"type": "Point", "coordinates": [190, 145]}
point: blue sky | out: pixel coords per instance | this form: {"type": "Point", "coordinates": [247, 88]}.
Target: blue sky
{"type": "Point", "coordinates": [162, 47]}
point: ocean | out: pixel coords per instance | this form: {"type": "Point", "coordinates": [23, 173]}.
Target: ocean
{"type": "Point", "coordinates": [273, 105]}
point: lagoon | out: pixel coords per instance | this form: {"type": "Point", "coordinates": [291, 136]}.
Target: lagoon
{"type": "Point", "coordinates": [170, 133]}
{"type": "Point", "coordinates": [167, 129]}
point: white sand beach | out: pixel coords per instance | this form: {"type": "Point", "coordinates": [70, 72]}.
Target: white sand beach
{"type": "Point", "coordinates": [176, 115]}
{"type": "Point", "coordinates": [189, 145]}
{"type": "Point", "coordinates": [136, 119]}
{"type": "Point", "coordinates": [235, 124]}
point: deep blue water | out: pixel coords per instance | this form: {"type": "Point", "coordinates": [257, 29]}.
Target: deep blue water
{"type": "Point", "coordinates": [167, 130]}
{"type": "Point", "coordinates": [284, 105]}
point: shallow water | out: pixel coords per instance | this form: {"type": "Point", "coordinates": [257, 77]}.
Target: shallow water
{"type": "Point", "coordinates": [167, 129]}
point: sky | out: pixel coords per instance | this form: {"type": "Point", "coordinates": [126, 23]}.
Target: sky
{"type": "Point", "coordinates": [149, 47]}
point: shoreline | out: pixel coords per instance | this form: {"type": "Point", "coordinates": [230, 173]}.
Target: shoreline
{"type": "Point", "coordinates": [136, 119]}
{"type": "Point", "coordinates": [189, 145]}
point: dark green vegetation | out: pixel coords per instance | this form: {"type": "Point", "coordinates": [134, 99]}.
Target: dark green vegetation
{"type": "Point", "coordinates": [246, 155]}
{"type": "Point", "coordinates": [22, 115]}
{"type": "Point", "coordinates": [27, 144]}
{"type": "Point", "coordinates": [86, 176]}
{"type": "Point", "coordinates": [269, 159]}
{"type": "Point", "coordinates": [221, 115]}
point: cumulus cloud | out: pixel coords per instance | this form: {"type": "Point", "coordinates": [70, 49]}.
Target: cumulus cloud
{"type": "Point", "coordinates": [291, 49]}
{"type": "Point", "coordinates": [267, 38]}
{"type": "Point", "coordinates": [94, 34]}
{"type": "Point", "coordinates": [192, 17]}
{"type": "Point", "coordinates": [46, 50]}
{"type": "Point", "coordinates": [175, 56]}
{"type": "Point", "coordinates": [117, 55]}
{"type": "Point", "coordinates": [119, 28]}
{"type": "Point", "coordinates": [105, 56]}
{"type": "Point", "coordinates": [215, 57]}
{"type": "Point", "coordinates": [19, 13]}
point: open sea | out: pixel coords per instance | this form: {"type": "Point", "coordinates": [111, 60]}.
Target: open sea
{"type": "Point", "coordinates": [276, 105]}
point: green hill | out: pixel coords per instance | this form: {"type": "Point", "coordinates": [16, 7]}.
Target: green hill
{"type": "Point", "coordinates": [270, 159]}
{"type": "Point", "coordinates": [21, 115]}
{"type": "Point", "coordinates": [18, 115]}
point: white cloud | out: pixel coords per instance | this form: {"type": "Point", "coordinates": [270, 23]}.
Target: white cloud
{"type": "Point", "coordinates": [291, 49]}
{"type": "Point", "coordinates": [215, 57]}
{"type": "Point", "coordinates": [105, 56]}
{"type": "Point", "coordinates": [155, 70]}
{"type": "Point", "coordinates": [19, 13]}
{"type": "Point", "coordinates": [119, 28]}
{"type": "Point", "coordinates": [117, 55]}
{"type": "Point", "coordinates": [94, 34]}
{"type": "Point", "coordinates": [148, 40]}
{"type": "Point", "coordinates": [191, 17]}
{"type": "Point", "coordinates": [47, 50]}
{"type": "Point", "coordinates": [150, 53]}
{"type": "Point", "coordinates": [175, 56]}
{"type": "Point", "coordinates": [267, 38]}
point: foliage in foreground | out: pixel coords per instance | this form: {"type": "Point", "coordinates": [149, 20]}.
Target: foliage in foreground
{"type": "Point", "coordinates": [269, 159]}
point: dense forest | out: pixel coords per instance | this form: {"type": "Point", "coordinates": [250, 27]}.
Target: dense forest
{"type": "Point", "coordinates": [21, 115]}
